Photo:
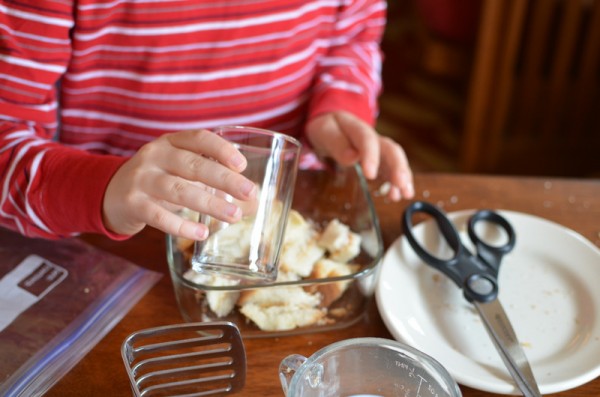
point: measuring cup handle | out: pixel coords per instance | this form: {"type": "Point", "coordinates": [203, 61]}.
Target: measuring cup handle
{"type": "Point", "coordinates": [288, 368]}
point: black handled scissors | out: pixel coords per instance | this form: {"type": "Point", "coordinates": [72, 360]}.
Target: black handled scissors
{"type": "Point", "coordinates": [477, 275]}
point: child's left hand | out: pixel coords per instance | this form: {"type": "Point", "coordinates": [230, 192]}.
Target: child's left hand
{"type": "Point", "coordinates": [348, 139]}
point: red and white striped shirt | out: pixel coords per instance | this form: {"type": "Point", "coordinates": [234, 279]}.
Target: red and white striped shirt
{"type": "Point", "coordinates": [85, 83]}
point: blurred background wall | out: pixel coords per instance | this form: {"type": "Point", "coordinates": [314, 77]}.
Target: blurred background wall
{"type": "Point", "coordinates": [494, 86]}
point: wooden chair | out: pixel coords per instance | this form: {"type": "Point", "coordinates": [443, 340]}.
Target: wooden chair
{"type": "Point", "coordinates": [534, 98]}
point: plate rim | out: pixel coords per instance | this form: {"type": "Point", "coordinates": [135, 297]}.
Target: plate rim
{"type": "Point", "coordinates": [471, 381]}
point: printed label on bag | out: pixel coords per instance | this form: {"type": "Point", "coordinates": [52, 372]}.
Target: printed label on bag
{"type": "Point", "coordinates": [45, 277]}
{"type": "Point", "coordinates": [25, 285]}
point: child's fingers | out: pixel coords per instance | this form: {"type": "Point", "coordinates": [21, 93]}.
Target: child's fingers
{"type": "Point", "coordinates": [162, 219]}
{"type": "Point", "coordinates": [364, 139]}
{"type": "Point", "coordinates": [209, 144]}
{"type": "Point", "coordinates": [327, 139]}
{"type": "Point", "coordinates": [397, 169]}
{"type": "Point", "coordinates": [175, 190]}
{"type": "Point", "coordinates": [192, 167]}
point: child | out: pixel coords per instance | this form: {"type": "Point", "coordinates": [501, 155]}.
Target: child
{"type": "Point", "coordinates": [104, 105]}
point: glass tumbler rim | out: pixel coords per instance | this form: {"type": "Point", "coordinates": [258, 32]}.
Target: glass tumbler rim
{"type": "Point", "coordinates": [297, 145]}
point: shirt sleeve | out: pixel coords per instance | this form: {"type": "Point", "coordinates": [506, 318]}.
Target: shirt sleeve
{"type": "Point", "coordinates": [349, 74]}
{"type": "Point", "coordinates": [48, 190]}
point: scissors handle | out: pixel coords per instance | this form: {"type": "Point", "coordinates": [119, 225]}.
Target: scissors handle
{"type": "Point", "coordinates": [491, 254]}
{"type": "Point", "coordinates": [446, 228]}
{"type": "Point", "coordinates": [450, 266]}
{"type": "Point", "coordinates": [476, 275]}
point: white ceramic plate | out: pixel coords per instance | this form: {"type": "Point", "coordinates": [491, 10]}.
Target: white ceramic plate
{"type": "Point", "coordinates": [549, 287]}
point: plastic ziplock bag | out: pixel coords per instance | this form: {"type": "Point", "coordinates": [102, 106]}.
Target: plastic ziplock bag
{"type": "Point", "coordinates": [57, 300]}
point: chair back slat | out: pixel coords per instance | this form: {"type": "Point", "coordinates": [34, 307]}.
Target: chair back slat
{"type": "Point", "coordinates": [585, 100]}
{"type": "Point", "coordinates": [559, 86]}
{"type": "Point", "coordinates": [534, 96]}
{"type": "Point", "coordinates": [531, 68]}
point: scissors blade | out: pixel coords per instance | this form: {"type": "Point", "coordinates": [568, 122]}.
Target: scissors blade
{"type": "Point", "coordinates": [505, 341]}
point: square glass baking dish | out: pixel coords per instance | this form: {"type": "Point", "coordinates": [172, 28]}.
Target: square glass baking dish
{"type": "Point", "coordinates": [330, 299]}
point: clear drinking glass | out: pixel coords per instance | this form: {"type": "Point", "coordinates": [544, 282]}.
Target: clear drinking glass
{"type": "Point", "coordinates": [249, 249]}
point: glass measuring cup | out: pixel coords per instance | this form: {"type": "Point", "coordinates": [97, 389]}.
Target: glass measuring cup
{"type": "Point", "coordinates": [366, 367]}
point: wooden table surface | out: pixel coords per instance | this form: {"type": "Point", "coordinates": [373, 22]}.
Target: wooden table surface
{"type": "Point", "coordinates": [573, 203]}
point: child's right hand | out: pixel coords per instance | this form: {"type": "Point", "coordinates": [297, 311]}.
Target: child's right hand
{"type": "Point", "coordinates": [348, 140]}
{"type": "Point", "coordinates": [172, 172]}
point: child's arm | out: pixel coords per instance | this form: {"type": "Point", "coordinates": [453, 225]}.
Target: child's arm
{"type": "Point", "coordinates": [48, 190]}
{"type": "Point", "coordinates": [343, 107]}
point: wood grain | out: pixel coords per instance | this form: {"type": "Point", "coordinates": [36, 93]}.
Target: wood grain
{"type": "Point", "coordinates": [573, 203]}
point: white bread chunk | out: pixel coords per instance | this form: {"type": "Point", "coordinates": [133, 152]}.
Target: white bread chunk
{"type": "Point", "coordinates": [297, 229]}
{"type": "Point", "coordinates": [300, 258]}
{"type": "Point", "coordinates": [299, 251]}
{"type": "Point", "coordinates": [349, 251]}
{"type": "Point", "coordinates": [220, 302]}
{"type": "Point", "coordinates": [335, 236]}
{"type": "Point", "coordinates": [197, 277]}
{"type": "Point", "coordinates": [283, 276]}
{"type": "Point", "coordinates": [281, 318]}
{"type": "Point", "coordinates": [233, 239]}
{"type": "Point", "coordinates": [330, 292]}
{"type": "Point", "coordinates": [342, 244]}
{"type": "Point", "coordinates": [329, 268]}
{"type": "Point", "coordinates": [306, 253]}
{"type": "Point", "coordinates": [238, 239]}
{"type": "Point", "coordinates": [279, 296]}
{"type": "Point", "coordinates": [281, 308]}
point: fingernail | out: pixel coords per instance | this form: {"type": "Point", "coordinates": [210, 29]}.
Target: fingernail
{"type": "Point", "coordinates": [396, 194]}
{"type": "Point", "coordinates": [370, 171]}
{"type": "Point", "coordinates": [238, 160]}
{"type": "Point", "coordinates": [248, 188]}
{"type": "Point", "coordinates": [233, 211]}
{"type": "Point", "coordinates": [201, 232]}
{"type": "Point", "coordinates": [410, 189]}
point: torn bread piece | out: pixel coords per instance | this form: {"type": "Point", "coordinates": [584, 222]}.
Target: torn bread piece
{"type": "Point", "coordinates": [281, 308]}
{"type": "Point", "coordinates": [219, 302]}
{"type": "Point", "coordinates": [342, 244]}
{"type": "Point", "coordinates": [278, 296]}
{"type": "Point", "coordinates": [300, 258]}
{"type": "Point", "coordinates": [233, 239]}
{"type": "Point", "coordinates": [306, 253]}
{"type": "Point", "coordinates": [326, 268]}
{"type": "Point", "coordinates": [282, 318]}
{"type": "Point", "coordinates": [300, 250]}
{"type": "Point", "coordinates": [297, 228]}
{"type": "Point", "coordinates": [283, 277]}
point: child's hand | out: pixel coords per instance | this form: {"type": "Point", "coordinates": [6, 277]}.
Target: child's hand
{"type": "Point", "coordinates": [171, 172]}
{"type": "Point", "coordinates": [348, 139]}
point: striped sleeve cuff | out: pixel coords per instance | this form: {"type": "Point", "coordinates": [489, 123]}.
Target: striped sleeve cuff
{"type": "Point", "coordinates": [71, 191]}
